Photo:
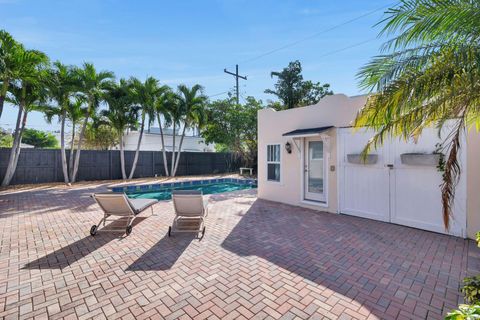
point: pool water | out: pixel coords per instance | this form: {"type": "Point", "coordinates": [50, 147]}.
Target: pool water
{"type": "Point", "coordinates": [166, 194]}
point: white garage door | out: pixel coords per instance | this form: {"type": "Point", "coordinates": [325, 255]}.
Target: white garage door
{"type": "Point", "coordinates": [392, 191]}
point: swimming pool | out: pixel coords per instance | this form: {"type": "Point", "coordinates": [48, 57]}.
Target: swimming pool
{"type": "Point", "coordinates": [163, 191]}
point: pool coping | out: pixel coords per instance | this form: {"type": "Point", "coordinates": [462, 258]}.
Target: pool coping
{"type": "Point", "coordinates": [168, 185]}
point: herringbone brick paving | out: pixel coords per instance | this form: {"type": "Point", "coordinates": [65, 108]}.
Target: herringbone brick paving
{"type": "Point", "coordinates": [258, 260]}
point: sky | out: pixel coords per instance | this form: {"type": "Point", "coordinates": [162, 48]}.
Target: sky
{"type": "Point", "coordinates": [193, 41]}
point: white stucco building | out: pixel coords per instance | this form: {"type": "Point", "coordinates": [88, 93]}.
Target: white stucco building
{"type": "Point", "coordinates": [151, 141]}
{"type": "Point", "coordinates": [309, 157]}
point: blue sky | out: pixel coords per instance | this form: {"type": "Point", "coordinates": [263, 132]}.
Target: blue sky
{"type": "Point", "coordinates": [192, 41]}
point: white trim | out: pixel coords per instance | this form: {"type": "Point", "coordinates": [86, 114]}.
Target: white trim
{"type": "Point", "coordinates": [303, 135]}
{"type": "Point", "coordinates": [274, 162]}
{"type": "Point", "coordinates": [326, 164]}
{"type": "Point", "coordinates": [315, 203]}
{"type": "Point", "coordinates": [339, 170]}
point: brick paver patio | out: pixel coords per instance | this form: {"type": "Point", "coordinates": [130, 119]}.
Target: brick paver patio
{"type": "Point", "coordinates": [258, 260]}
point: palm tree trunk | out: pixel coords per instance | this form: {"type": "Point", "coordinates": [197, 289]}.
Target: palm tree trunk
{"type": "Point", "coordinates": [3, 94]}
{"type": "Point", "coordinates": [72, 153]}
{"type": "Point", "coordinates": [135, 158]}
{"type": "Point", "coordinates": [122, 158]}
{"type": "Point", "coordinates": [15, 150]}
{"type": "Point", "coordinates": [164, 152]}
{"type": "Point", "coordinates": [173, 150]}
{"type": "Point", "coordinates": [62, 148]}
{"type": "Point", "coordinates": [179, 151]}
{"type": "Point", "coordinates": [19, 147]}
{"type": "Point", "coordinates": [77, 153]}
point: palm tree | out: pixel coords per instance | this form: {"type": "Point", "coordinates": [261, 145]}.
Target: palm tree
{"type": "Point", "coordinates": [192, 104]}
{"type": "Point", "coordinates": [120, 115]}
{"type": "Point", "coordinates": [430, 75]}
{"type": "Point", "coordinates": [76, 110]}
{"type": "Point", "coordinates": [61, 87]}
{"type": "Point", "coordinates": [163, 105]}
{"type": "Point", "coordinates": [28, 94]}
{"type": "Point", "coordinates": [93, 85]}
{"type": "Point", "coordinates": [176, 114]}
{"type": "Point", "coordinates": [11, 56]}
{"type": "Point", "coordinates": [144, 96]}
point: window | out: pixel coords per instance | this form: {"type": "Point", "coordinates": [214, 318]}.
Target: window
{"type": "Point", "coordinates": [273, 162]}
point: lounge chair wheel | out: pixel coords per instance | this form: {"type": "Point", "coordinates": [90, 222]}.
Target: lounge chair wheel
{"type": "Point", "coordinates": [169, 231]}
{"type": "Point", "coordinates": [128, 230]}
{"type": "Point", "coordinates": [93, 230]}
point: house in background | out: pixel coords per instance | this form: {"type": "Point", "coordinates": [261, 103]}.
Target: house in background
{"type": "Point", "coordinates": [152, 141]}
{"type": "Point", "coordinates": [309, 157]}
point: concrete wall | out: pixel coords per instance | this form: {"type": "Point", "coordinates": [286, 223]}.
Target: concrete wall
{"type": "Point", "coordinates": [336, 110]}
{"type": "Point", "coordinates": [153, 142]}
{"type": "Point", "coordinates": [473, 183]}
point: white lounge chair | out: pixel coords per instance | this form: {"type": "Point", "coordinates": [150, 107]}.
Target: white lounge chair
{"type": "Point", "coordinates": [118, 204]}
{"type": "Point", "coordinates": [190, 212]}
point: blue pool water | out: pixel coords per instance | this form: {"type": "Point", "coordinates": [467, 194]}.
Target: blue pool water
{"type": "Point", "coordinates": [166, 193]}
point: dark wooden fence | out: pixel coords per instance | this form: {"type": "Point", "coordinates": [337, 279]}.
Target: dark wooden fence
{"type": "Point", "coordinates": [45, 165]}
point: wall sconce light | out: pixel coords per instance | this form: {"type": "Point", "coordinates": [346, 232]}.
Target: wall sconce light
{"type": "Point", "coordinates": [288, 147]}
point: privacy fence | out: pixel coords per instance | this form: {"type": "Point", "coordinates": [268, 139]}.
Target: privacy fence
{"type": "Point", "coordinates": [45, 165]}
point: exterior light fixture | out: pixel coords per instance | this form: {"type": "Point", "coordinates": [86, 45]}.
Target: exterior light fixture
{"type": "Point", "coordinates": [288, 147]}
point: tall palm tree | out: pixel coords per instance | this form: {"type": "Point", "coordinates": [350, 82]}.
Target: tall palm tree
{"type": "Point", "coordinates": [11, 57]}
{"type": "Point", "coordinates": [120, 115]}
{"type": "Point", "coordinates": [76, 110]}
{"type": "Point", "coordinates": [61, 86]}
{"type": "Point", "coordinates": [176, 114]}
{"type": "Point", "coordinates": [93, 85]}
{"type": "Point", "coordinates": [429, 76]}
{"type": "Point", "coordinates": [192, 104]}
{"type": "Point", "coordinates": [163, 105]}
{"type": "Point", "coordinates": [144, 96]}
{"type": "Point", "coordinates": [28, 93]}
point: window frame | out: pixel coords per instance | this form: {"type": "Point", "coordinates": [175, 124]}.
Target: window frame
{"type": "Point", "coordinates": [279, 161]}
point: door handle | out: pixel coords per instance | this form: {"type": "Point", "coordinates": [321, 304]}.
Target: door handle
{"type": "Point", "coordinates": [389, 166]}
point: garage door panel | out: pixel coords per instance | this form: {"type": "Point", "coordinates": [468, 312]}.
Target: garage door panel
{"type": "Point", "coordinates": [364, 193]}
{"type": "Point", "coordinates": [416, 198]}
{"type": "Point", "coordinates": [405, 194]}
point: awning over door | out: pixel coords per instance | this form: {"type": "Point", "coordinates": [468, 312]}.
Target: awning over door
{"type": "Point", "coordinates": [309, 132]}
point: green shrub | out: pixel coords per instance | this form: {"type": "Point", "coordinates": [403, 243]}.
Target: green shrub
{"type": "Point", "coordinates": [471, 289]}
{"type": "Point", "coordinates": [464, 312]}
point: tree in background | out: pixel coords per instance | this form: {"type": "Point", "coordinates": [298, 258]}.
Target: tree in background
{"type": "Point", "coordinates": [92, 85]}
{"type": "Point", "coordinates": [6, 139]}
{"type": "Point", "coordinates": [233, 127]}
{"type": "Point", "coordinates": [121, 115]}
{"type": "Point", "coordinates": [293, 91]}
{"type": "Point", "coordinates": [163, 105]}
{"type": "Point", "coordinates": [62, 85]}
{"type": "Point", "coordinates": [191, 103]}
{"type": "Point", "coordinates": [39, 139]}
{"type": "Point", "coordinates": [11, 64]}
{"type": "Point", "coordinates": [76, 110]}
{"type": "Point", "coordinates": [28, 93]}
{"type": "Point", "coordinates": [144, 95]}
{"type": "Point", "coordinates": [100, 136]}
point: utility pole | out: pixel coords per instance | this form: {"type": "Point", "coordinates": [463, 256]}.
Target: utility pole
{"type": "Point", "coordinates": [236, 75]}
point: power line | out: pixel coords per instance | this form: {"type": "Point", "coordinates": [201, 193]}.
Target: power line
{"type": "Point", "coordinates": [217, 94]}
{"type": "Point", "coordinates": [291, 44]}
{"type": "Point", "coordinates": [346, 48]}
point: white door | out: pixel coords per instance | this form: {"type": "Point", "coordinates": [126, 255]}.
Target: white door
{"type": "Point", "coordinates": [314, 170]}
{"type": "Point", "coordinates": [363, 188]}
{"type": "Point", "coordinates": [416, 189]}
{"type": "Point", "coordinates": [392, 191]}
